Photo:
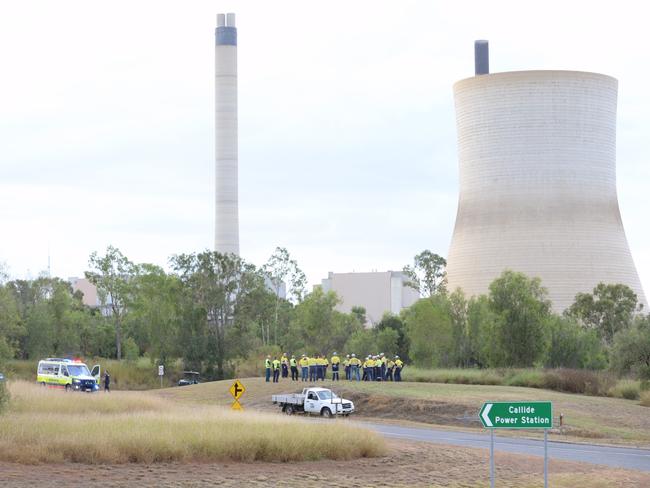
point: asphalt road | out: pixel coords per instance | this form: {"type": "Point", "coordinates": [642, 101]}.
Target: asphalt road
{"type": "Point", "coordinates": [618, 457]}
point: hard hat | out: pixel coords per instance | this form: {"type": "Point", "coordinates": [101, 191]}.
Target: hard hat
{"type": "Point", "coordinates": [347, 355]}
{"type": "Point", "coordinates": [353, 355]}
{"type": "Point", "coordinates": [396, 357]}
{"type": "Point", "coordinates": [334, 353]}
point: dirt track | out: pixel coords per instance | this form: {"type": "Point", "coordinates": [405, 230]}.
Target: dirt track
{"type": "Point", "coordinates": [409, 464]}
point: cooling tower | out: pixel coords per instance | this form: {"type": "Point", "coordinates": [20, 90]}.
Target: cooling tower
{"type": "Point", "coordinates": [537, 159]}
{"type": "Point", "coordinates": [227, 211]}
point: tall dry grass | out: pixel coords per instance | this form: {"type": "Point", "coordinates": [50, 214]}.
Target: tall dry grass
{"type": "Point", "coordinates": [49, 426]}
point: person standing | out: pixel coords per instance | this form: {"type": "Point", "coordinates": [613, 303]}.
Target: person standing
{"type": "Point", "coordinates": [390, 366]}
{"type": "Point", "coordinates": [336, 361]}
{"type": "Point", "coordinates": [354, 367]}
{"type": "Point", "coordinates": [346, 365]}
{"type": "Point", "coordinates": [294, 368]}
{"type": "Point", "coordinates": [304, 367]}
{"type": "Point", "coordinates": [377, 368]}
{"type": "Point", "coordinates": [312, 368]}
{"type": "Point", "coordinates": [267, 367]}
{"type": "Point", "coordinates": [276, 370]}
{"type": "Point", "coordinates": [107, 382]}
{"type": "Point", "coordinates": [326, 364]}
{"type": "Point", "coordinates": [383, 366]}
{"type": "Point", "coordinates": [398, 368]}
{"type": "Point", "coordinates": [285, 365]}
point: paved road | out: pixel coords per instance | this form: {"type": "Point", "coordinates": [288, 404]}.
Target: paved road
{"type": "Point", "coordinates": [619, 457]}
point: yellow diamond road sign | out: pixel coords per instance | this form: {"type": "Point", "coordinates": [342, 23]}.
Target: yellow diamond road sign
{"type": "Point", "coordinates": [236, 406]}
{"type": "Point", "coordinates": [237, 390]}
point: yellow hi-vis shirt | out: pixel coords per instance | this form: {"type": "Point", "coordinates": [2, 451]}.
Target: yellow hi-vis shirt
{"type": "Point", "coordinates": [304, 362]}
{"type": "Point", "coordinates": [399, 363]}
{"type": "Point", "coordinates": [285, 360]}
{"type": "Point", "coordinates": [369, 363]}
{"type": "Point", "coordinates": [355, 362]}
{"type": "Point", "coordinates": [384, 360]}
{"type": "Point", "coordinates": [378, 363]}
{"type": "Point", "coordinates": [312, 361]}
{"type": "Point", "coordinates": [336, 360]}
{"type": "Point", "coordinates": [346, 362]}
{"type": "Point", "coordinates": [390, 364]}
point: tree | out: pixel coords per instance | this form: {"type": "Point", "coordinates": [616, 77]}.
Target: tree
{"type": "Point", "coordinates": [427, 275]}
{"type": "Point", "coordinates": [523, 309]}
{"type": "Point", "coordinates": [631, 349]}
{"type": "Point", "coordinates": [280, 270]}
{"type": "Point", "coordinates": [111, 274]}
{"type": "Point", "coordinates": [573, 346]}
{"type": "Point", "coordinates": [360, 313]}
{"type": "Point", "coordinates": [395, 323]}
{"type": "Point", "coordinates": [155, 311]}
{"type": "Point", "coordinates": [429, 329]}
{"type": "Point", "coordinates": [608, 310]}
{"type": "Point", "coordinates": [319, 327]}
{"type": "Point", "coordinates": [215, 285]}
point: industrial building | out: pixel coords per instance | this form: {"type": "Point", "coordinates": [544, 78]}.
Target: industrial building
{"type": "Point", "coordinates": [226, 142]}
{"type": "Point", "coordinates": [537, 162]}
{"type": "Point", "coordinates": [377, 292]}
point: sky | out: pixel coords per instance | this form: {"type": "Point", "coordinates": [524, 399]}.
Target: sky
{"type": "Point", "coordinates": [347, 139]}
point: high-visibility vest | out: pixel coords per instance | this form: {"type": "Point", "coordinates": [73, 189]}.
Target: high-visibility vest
{"type": "Point", "coordinates": [267, 363]}
{"type": "Point", "coordinates": [276, 364]}
{"type": "Point", "coordinates": [292, 362]}
{"type": "Point", "coordinates": [378, 363]}
{"type": "Point", "coordinates": [336, 360]}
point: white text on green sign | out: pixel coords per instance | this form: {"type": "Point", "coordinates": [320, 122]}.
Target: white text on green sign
{"type": "Point", "coordinates": [517, 415]}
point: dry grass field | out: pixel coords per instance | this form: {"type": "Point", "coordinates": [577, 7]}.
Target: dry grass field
{"type": "Point", "coordinates": [52, 426]}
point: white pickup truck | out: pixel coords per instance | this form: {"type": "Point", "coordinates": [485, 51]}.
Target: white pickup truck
{"type": "Point", "coordinates": [319, 401]}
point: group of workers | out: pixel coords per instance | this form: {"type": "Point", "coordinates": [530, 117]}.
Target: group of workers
{"type": "Point", "coordinates": [314, 368]}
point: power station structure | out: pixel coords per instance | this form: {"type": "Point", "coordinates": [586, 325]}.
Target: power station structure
{"type": "Point", "coordinates": [226, 142]}
{"type": "Point", "coordinates": [537, 161]}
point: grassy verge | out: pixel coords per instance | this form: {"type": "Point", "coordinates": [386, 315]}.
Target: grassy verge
{"type": "Point", "coordinates": [125, 375]}
{"type": "Point", "coordinates": [51, 426]}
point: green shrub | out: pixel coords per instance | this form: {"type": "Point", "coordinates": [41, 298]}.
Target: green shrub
{"type": "Point", "coordinates": [645, 398]}
{"type": "Point", "coordinates": [578, 381]}
{"type": "Point", "coordinates": [526, 377]}
{"type": "Point", "coordinates": [627, 389]}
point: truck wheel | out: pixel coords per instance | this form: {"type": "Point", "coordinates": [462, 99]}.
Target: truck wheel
{"type": "Point", "coordinates": [326, 412]}
{"type": "Point", "coordinates": [289, 410]}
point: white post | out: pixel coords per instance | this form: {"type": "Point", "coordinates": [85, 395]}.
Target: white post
{"type": "Point", "coordinates": [545, 458]}
{"type": "Point", "coordinates": [492, 458]}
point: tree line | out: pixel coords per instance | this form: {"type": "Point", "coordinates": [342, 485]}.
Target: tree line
{"type": "Point", "coordinates": [212, 310]}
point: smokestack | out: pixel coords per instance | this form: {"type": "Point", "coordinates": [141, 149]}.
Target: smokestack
{"type": "Point", "coordinates": [481, 58]}
{"type": "Point", "coordinates": [226, 151]}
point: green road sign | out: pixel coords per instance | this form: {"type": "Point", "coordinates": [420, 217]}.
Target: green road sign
{"type": "Point", "coordinates": [517, 415]}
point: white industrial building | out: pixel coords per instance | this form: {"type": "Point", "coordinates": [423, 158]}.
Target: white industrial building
{"type": "Point", "coordinates": [377, 292]}
{"type": "Point", "coordinates": [537, 161]}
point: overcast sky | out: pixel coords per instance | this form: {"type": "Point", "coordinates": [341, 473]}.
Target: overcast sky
{"type": "Point", "coordinates": [347, 149]}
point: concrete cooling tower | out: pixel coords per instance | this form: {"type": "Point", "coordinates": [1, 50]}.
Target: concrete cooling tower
{"type": "Point", "coordinates": [226, 153]}
{"type": "Point", "coordinates": [537, 159]}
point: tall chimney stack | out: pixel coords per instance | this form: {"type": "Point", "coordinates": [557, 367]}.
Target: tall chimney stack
{"type": "Point", "coordinates": [226, 152]}
{"type": "Point", "coordinates": [481, 58]}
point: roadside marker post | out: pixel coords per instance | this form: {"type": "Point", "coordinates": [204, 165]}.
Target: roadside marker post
{"type": "Point", "coordinates": [161, 373]}
{"type": "Point", "coordinates": [517, 415]}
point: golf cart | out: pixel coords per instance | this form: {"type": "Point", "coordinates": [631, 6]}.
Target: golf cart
{"type": "Point", "coordinates": [189, 378]}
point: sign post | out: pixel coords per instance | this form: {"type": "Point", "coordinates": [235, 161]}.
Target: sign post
{"type": "Point", "coordinates": [517, 415]}
{"type": "Point", "coordinates": [237, 390]}
{"type": "Point", "coordinates": [161, 373]}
